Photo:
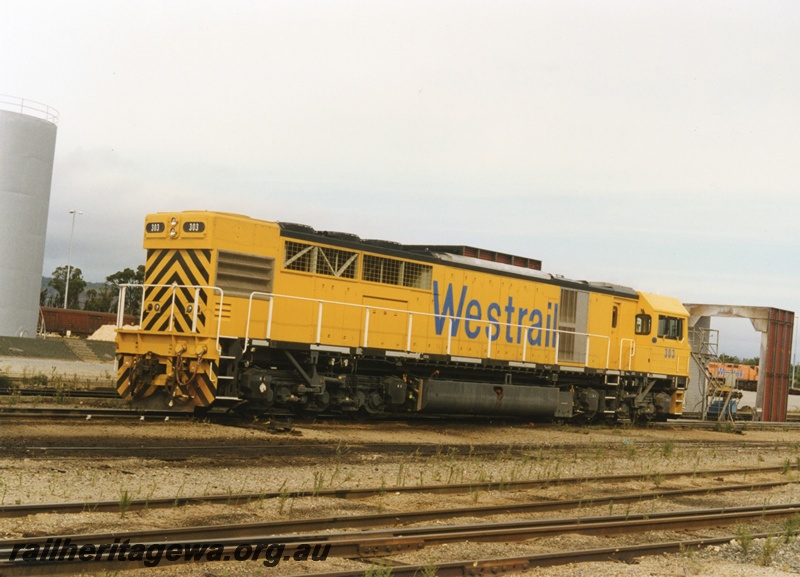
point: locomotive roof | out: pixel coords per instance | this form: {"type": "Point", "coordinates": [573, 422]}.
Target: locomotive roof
{"type": "Point", "coordinates": [455, 255]}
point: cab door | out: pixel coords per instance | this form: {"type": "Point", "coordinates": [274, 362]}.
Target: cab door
{"type": "Point", "coordinates": [670, 334]}
{"type": "Point", "coordinates": [644, 339]}
{"type": "Point", "coordinates": [623, 346]}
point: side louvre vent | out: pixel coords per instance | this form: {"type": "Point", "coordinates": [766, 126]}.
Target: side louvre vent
{"type": "Point", "coordinates": [240, 274]}
{"type": "Point", "coordinates": [573, 317]}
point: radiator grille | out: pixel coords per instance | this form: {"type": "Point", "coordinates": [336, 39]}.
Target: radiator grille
{"type": "Point", "coordinates": [240, 274]}
{"type": "Point", "coordinates": [320, 260]}
{"type": "Point", "coordinates": [397, 272]}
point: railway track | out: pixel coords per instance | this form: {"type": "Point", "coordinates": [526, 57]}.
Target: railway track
{"type": "Point", "coordinates": [88, 413]}
{"type": "Point", "coordinates": [227, 450]}
{"type": "Point", "coordinates": [792, 423]}
{"type": "Point", "coordinates": [380, 530]}
{"type": "Point", "coordinates": [61, 393]}
{"type": "Point", "coordinates": [21, 510]}
{"type": "Point", "coordinates": [501, 565]}
{"type": "Point", "coordinates": [110, 393]}
{"type": "Point", "coordinates": [363, 521]}
{"type": "Point", "coordinates": [383, 542]}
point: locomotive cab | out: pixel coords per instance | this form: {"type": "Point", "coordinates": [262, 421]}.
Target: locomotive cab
{"type": "Point", "coordinates": [662, 348]}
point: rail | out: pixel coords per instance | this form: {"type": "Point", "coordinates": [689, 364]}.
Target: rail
{"type": "Point", "coordinates": [385, 541]}
{"type": "Point", "coordinates": [29, 108]}
{"type": "Point", "coordinates": [10, 510]}
{"type": "Point", "coordinates": [365, 336]}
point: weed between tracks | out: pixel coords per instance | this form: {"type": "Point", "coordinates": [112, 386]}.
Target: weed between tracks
{"type": "Point", "coordinates": [56, 387]}
{"type": "Point", "coordinates": [791, 528]}
{"type": "Point", "coordinates": [764, 550]}
{"type": "Point", "coordinates": [5, 381]}
{"type": "Point", "coordinates": [744, 536]}
{"type": "Point", "coordinates": [125, 501]}
{"type": "Point", "coordinates": [378, 571]}
{"type": "Point", "coordinates": [768, 548]}
{"type": "Point", "coordinates": [513, 464]}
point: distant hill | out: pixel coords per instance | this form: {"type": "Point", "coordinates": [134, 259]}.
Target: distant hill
{"type": "Point", "coordinates": [52, 294]}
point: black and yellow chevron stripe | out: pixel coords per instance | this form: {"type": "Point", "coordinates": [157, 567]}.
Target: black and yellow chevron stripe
{"type": "Point", "coordinates": [129, 384]}
{"type": "Point", "coordinates": [124, 387]}
{"type": "Point", "coordinates": [199, 390]}
{"type": "Point", "coordinates": [184, 269]}
{"type": "Point", "coordinates": [202, 390]}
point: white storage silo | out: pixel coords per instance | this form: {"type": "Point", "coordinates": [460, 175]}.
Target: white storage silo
{"type": "Point", "coordinates": [27, 148]}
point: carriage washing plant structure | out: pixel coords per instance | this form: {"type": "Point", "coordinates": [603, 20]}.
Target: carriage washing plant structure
{"type": "Point", "coordinates": [272, 317]}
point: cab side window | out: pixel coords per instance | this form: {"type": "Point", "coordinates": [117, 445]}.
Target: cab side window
{"type": "Point", "coordinates": [643, 324]}
{"type": "Point", "coordinates": [670, 327]}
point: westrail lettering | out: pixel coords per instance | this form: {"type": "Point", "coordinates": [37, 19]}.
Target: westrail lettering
{"type": "Point", "coordinates": [507, 320]}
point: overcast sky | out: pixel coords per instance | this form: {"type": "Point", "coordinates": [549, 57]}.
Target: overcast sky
{"type": "Point", "coordinates": [651, 144]}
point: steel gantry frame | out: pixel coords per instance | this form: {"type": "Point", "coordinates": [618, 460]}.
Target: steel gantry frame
{"type": "Point", "coordinates": [775, 368]}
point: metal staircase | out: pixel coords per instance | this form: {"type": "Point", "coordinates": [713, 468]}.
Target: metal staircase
{"type": "Point", "coordinates": [705, 350]}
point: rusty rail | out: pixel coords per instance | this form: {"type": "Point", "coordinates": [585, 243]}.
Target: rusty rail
{"type": "Point", "coordinates": [390, 541]}
{"type": "Point", "coordinates": [113, 506]}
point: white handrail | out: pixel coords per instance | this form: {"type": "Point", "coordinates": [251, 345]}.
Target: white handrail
{"type": "Point", "coordinates": [121, 306]}
{"type": "Point", "coordinates": [29, 108]}
{"type": "Point", "coordinates": [172, 308]}
{"type": "Point", "coordinates": [557, 347]}
{"type": "Point", "coordinates": [319, 324]}
{"type": "Point", "coordinates": [366, 327]}
{"type": "Point", "coordinates": [272, 297]}
{"type": "Point", "coordinates": [174, 287]}
{"type": "Point", "coordinates": [631, 349]}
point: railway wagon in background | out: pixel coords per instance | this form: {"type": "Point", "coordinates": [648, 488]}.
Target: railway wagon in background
{"type": "Point", "coordinates": [271, 316]}
{"type": "Point", "coordinates": [79, 323]}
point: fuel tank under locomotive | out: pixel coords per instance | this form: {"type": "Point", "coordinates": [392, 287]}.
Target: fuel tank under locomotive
{"type": "Point", "coordinates": [469, 398]}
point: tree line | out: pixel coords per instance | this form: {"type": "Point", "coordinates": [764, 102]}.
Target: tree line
{"type": "Point", "coordinates": [733, 359]}
{"type": "Point", "coordinates": [103, 299]}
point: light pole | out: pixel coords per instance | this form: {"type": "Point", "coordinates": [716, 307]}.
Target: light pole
{"type": "Point", "coordinates": [69, 256]}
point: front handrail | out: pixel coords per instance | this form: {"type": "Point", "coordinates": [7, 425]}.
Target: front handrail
{"type": "Point", "coordinates": [448, 319]}
{"type": "Point", "coordinates": [272, 297]}
{"type": "Point", "coordinates": [174, 287]}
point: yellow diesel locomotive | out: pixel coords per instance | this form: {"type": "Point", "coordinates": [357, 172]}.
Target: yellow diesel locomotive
{"type": "Point", "coordinates": [274, 317]}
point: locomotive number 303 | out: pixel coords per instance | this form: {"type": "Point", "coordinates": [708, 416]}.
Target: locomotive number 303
{"type": "Point", "coordinates": [194, 226]}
